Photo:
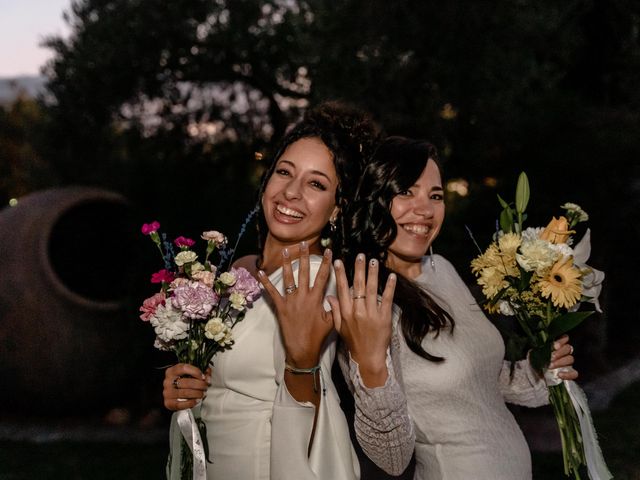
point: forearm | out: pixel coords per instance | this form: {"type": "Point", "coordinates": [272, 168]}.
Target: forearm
{"type": "Point", "coordinates": [382, 424]}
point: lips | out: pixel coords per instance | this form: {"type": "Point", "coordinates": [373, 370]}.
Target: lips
{"type": "Point", "coordinates": [417, 229]}
{"type": "Point", "coordinates": [287, 213]}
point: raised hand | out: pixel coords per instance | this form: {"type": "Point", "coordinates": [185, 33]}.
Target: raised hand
{"type": "Point", "coordinates": [562, 357]}
{"type": "Point", "coordinates": [363, 322]}
{"type": "Point", "coordinates": [303, 321]}
{"type": "Point", "coordinates": [184, 386]}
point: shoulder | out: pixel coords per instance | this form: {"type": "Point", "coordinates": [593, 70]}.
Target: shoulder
{"type": "Point", "coordinates": [439, 265]}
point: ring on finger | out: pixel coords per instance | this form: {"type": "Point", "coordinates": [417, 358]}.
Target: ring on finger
{"type": "Point", "coordinates": [290, 289]}
{"type": "Point", "coordinates": [356, 297]}
{"type": "Point", "coordinates": [570, 349]}
{"type": "Point", "coordinates": [175, 382]}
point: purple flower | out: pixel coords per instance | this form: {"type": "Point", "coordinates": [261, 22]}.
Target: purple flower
{"type": "Point", "coordinates": [195, 300]}
{"type": "Point", "coordinates": [245, 284]}
{"type": "Point", "coordinates": [149, 228]}
{"type": "Point", "coordinates": [184, 242]}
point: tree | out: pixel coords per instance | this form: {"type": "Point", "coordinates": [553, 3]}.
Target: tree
{"type": "Point", "coordinates": [168, 101]}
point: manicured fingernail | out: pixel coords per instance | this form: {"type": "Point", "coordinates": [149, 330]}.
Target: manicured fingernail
{"type": "Point", "coordinates": [337, 264]}
{"type": "Point", "coordinates": [285, 253]}
{"type": "Point", "coordinates": [203, 377]}
{"type": "Point", "coordinates": [261, 273]}
{"type": "Point", "coordinates": [208, 380]}
{"type": "Point", "coordinates": [328, 253]}
{"type": "Point", "coordinates": [556, 345]}
{"type": "Point", "coordinates": [373, 262]}
{"type": "Point", "coordinates": [303, 245]}
{"type": "Point", "coordinates": [360, 257]}
{"type": "Point", "coordinates": [392, 277]}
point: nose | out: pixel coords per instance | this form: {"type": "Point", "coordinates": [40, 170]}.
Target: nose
{"type": "Point", "coordinates": [293, 189]}
{"type": "Point", "coordinates": [423, 206]}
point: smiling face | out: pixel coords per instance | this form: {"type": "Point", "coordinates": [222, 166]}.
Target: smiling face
{"type": "Point", "coordinates": [299, 198]}
{"type": "Point", "coordinates": [418, 213]}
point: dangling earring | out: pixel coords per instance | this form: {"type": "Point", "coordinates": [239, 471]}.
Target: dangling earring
{"type": "Point", "coordinates": [433, 262]}
{"type": "Point", "coordinates": [326, 242]}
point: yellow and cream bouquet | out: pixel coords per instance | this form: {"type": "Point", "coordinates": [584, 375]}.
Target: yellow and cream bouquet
{"type": "Point", "coordinates": [540, 277]}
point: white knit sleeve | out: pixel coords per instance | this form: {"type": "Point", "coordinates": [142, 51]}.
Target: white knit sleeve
{"type": "Point", "coordinates": [382, 424]}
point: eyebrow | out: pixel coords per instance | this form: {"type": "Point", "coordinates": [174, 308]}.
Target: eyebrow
{"type": "Point", "coordinates": [317, 172]}
{"type": "Point", "coordinates": [434, 188]}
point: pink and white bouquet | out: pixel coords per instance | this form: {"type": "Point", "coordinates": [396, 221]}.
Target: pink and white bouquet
{"type": "Point", "coordinates": [540, 277]}
{"type": "Point", "coordinates": [197, 306]}
{"type": "Point", "coordinates": [193, 315]}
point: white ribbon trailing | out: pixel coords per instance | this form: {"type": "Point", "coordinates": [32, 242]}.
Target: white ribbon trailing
{"type": "Point", "coordinates": [596, 465]}
{"type": "Point", "coordinates": [189, 428]}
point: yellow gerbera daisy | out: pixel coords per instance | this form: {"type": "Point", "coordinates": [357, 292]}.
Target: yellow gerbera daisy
{"type": "Point", "coordinates": [562, 284]}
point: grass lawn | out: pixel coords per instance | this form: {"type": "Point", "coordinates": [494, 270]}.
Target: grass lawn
{"type": "Point", "coordinates": [618, 429]}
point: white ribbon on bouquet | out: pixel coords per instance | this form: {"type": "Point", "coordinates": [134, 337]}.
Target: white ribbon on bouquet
{"type": "Point", "coordinates": [188, 426]}
{"type": "Point", "coordinates": [596, 465]}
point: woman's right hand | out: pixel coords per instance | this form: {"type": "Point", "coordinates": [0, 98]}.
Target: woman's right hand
{"type": "Point", "coordinates": [184, 386]}
{"type": "Point", "coordinates": [363, 322]}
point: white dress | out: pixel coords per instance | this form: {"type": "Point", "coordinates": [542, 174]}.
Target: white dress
{"type": "Point", "coordinates": [463, 429]}
{"type": "Point", "coordinates": [255, 428]}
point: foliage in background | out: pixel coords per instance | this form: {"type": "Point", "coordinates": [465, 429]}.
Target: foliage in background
{"type": "Point", "coordinates": [146, 97]}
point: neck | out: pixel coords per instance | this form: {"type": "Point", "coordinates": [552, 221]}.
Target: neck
{"type": "Point", "coordinates": [272, 253]}
{"type": "Point", "coordinates": [410, 268]}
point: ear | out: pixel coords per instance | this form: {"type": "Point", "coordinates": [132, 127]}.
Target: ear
{"type": "Point", "coordinates": [334, 214]}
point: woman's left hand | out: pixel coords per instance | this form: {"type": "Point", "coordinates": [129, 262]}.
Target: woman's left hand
{"type": "Point", "coordinates": [562, 357]}
{"type": "Point", "coordinates": [304, 323]}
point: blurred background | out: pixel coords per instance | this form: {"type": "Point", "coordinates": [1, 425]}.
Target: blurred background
{"type": "Point", "coordinates": [118, 112]}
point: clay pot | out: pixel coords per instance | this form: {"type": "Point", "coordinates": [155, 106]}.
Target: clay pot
{"type": "Point", "coordinates": [69, 337]}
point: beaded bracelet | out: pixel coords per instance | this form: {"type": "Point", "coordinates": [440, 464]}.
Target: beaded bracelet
{"type": "Point", "coordinates": [304, 371]}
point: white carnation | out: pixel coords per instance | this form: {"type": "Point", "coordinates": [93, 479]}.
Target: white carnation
{"type": "Point", "coordinates": [238, 301]}
{"type": "Point", "coordinates": [228, 278]}
{"type": "Point", "coordinates": [537, 256]}
{"type": "Point", "coordinates": [168, 323]}
{"type": "Point", "coordinates": [186, 256]}
{"type": "Point", "coordinates": [531, 233]}
{"type": "Point", "coordinates": [216, 330]}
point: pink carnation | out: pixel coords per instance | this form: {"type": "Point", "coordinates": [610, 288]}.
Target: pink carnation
{"type": "Point", "coordinates": [195, 300]}
{"type": "Point", "coordinates": [184, 242]}
{"type": "Point", "coordinates": [162, 276]}
{"type": "Point", "coordinates": [245, 284]}
{"type": "Point", "coordinates": [149, 306]}
{"type": "Point", "coordinates": [149, 228]}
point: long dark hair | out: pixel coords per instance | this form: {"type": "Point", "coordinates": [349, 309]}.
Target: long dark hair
{"type": "Point", "coordinates": [350, 134]}
{"type": "Point", "coordinates": [394, 168]}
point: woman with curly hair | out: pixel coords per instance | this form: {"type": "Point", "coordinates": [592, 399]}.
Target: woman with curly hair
{"type": "Point", "coordinates": [269, 404]}
{"type": "Point", "coordinates": [445, 367]}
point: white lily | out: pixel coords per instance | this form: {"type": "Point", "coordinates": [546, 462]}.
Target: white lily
{"type": "Point", "coordinates": [592, 279]}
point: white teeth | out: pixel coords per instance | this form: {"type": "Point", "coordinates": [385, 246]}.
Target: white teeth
{"type": "Point", "coordinates": [288, 211]}
{"type": "Point", "coordinates": [419, 229]}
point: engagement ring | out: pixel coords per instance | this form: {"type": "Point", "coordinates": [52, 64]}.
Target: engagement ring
{"type": "Point", "coordinates": [290, 289]}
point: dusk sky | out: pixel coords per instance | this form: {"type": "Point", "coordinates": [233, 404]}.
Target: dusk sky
{"type": "Point", "coordinates": [23, 25]}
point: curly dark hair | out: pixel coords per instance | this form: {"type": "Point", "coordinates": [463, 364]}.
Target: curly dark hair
{"type": "Point", "coordinates": [351, 135]}
{"type": "Point", "coordinates": [394, 168]}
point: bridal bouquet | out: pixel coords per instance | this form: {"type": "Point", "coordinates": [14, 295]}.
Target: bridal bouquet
{"type": "Point", "coordinates": [193, 315]}
{"type": "Point", "coordinates": [541, 278]}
